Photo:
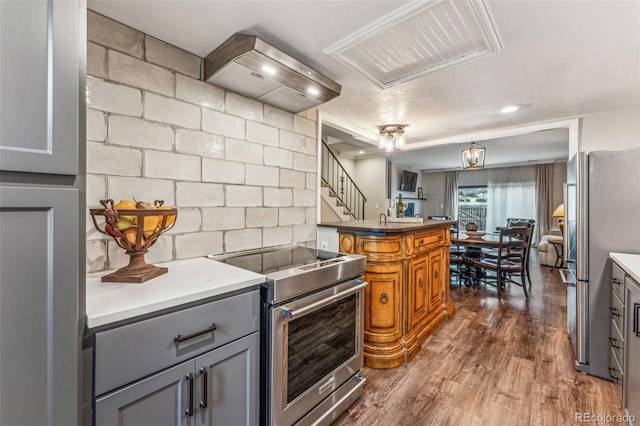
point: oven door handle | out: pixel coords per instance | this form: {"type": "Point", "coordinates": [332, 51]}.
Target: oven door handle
{"type": "Point", "coordinates": [291, 314]}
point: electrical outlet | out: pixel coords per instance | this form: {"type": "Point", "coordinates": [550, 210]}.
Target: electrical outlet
{"type": "Point", "coordinates": [377, 206]}
{"type": "Point", "coordinates": [323, 245]}
{"type": "Point", "coordinates": [442, 206]}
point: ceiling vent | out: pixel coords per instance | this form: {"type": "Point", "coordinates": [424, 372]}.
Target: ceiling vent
{"type": "Point", "coordinates": [422, 37]}
{"type": "Point", "coordinates": [247, 65]}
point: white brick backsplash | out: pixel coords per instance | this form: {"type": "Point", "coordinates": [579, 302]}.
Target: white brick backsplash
{"type": "Point", "coordinates": [278, 118]}
{"type": "Point", "coordinates": [222, 171]}
{"type": "Point", "coordinates": [194, 194]}
{"type": "Point", "coordinates": [96, 255]}
{"type": "Point", "coordinates": [96, 125]}
{"type": "Point", "coordinates": [312, 147]}
{"type": "Point", "coordinates": [305, 126]}
{"type": "Point", "coordinates": [312, 114]}
{"type": "Point", "coordinates": [165, 110]}
{"type": "Point", "coordinates": [293, 141]}
{"type": "Point", "coordinates": [199, 143]}
{"type": "Point", "coordinates": [292, 178]}
{"type": "Point", "coordinates": [115, 35]}
{"type": "Point", "coordinates": [168, 165]}
{"type": "Point", "coordinates": [189, 220]}
{"type": "Point", "coordinates": [136, 132]}
{"type": "Point", "coordinates": [222, 218]}
{"type": "Point", "coordinates": [96, 60]}
{"type": "Point", "coordinates": [198, 244]}
{"type": "Point", "coordinates": [261, 133]}
{"type": "Point", "coordinates": [311, 215]}
{"type": "Point", "coordinates": [244, 107]}
{"type": "Point", "coordinates": [199, 93]}
{"type": "Point", "coordinates": [112, 160]}
{"type": "Point", "coordinates": [277, 236]}
{"type": "Point", "coordinates": [244, 151]}
{"type": "Point", "coordinates": [304, 197]}
{"type": "Point", "coordinates": [278, 197]}
{"type": "Point", "coordinates": [168, 56]}
{"type": "Point", "coordinates": [262, 175]}
{"type": "Point", "coordinates": [237, 195]}
{"type": "Point", "coordinates": [304, 162]}
{"type": "Point", "coordinates": [242, 239]}
{"type": "Point", "coordinates": [96, 190]}
{"type": "Point", "coordinates": [261, 216]}
{"type": "Point", "coordinates": [113, 97]}
{"type": "Point", "coordinates": [311, 181]}
{"type": "Point", "coordinates": [223, 124]}
{"type": "Point", "coordinates": [292, 216]}
{"type": "Point", "coordinates": [278, 157]}
{"type": "Point", "coordinates": [134, 72]}
{"type": "Point", "coordinates": [125, 188]}
{"type": "Point", "coordinates": [161, 251]}
{"type": "Point", "coordinates": [302, 233]}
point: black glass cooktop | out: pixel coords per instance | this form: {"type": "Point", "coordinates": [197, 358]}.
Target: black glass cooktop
{"type": "Point", "coordinates": [269, 260]}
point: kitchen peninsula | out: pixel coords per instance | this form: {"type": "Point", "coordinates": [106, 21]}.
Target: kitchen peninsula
{"type": "Point", "coordinates": [408, 274]}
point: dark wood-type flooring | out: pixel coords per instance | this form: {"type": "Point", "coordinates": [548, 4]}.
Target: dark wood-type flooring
{"type": "Point", "coordinates": [493, 363]}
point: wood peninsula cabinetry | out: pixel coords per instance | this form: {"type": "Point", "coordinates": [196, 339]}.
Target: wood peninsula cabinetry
{"type": "Point", "coordinates": [408, 294]}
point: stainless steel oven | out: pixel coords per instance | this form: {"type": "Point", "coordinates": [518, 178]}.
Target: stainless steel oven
{"type": "Point", "coordinates": [312, 332]}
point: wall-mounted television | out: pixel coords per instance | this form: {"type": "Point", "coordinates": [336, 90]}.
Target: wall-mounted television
{"type": "Point", "coordinates": [408, 181]}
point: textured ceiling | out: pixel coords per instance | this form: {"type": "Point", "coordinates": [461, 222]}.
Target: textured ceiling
{"type": "Point", "coordinates": [561, 58]}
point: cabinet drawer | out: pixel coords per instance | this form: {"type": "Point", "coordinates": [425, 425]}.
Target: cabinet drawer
{"type": "Point", "coordinates": [617, 311]}
{"type": "Point", "coordinates": [616, 341]}
{"type": "Point", "coordinates": [616, 373]}
{"type": "Point", "coordinates": [425, 241]}
{"type": "Point", "coordinates": [617, 280]}
{"type": "Point", "coordinates": [127, 353]}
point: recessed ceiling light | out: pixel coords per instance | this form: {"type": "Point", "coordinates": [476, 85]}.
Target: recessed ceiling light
{"type": "Point", "coordinates": [269, 69]}
{"type": "Point", "coordinates": [509, 109]}
{"type": "Point", "coordinates": [360, 152]}
{"type": "Point", "coordinates": [313, 91]}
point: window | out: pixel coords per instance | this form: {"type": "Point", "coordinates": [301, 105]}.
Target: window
{"type": "Point", "coordinates": [472, 206]}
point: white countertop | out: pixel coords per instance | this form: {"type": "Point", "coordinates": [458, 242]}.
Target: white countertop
{"type": "Point", "coordinates": [629, 262]}
{"type": "Point", "coordinates": [187, 281]}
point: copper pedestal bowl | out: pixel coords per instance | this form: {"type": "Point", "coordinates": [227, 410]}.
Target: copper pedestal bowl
{"type": "Point", "coordinates": [146, 226]}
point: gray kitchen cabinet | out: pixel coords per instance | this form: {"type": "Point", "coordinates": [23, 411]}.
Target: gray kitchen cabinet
{"type": "Point", "coordinates": [40, 56]}
{"type": "Point", "coordinates": [632, 350]}
{"type": "Point", "coordinates": [194, 366]}
{"type": "Point", "coordinates": [38, 305]}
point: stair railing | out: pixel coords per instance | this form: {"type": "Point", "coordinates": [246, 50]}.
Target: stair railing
{"type": "Point", "coordinates": [341, 183]}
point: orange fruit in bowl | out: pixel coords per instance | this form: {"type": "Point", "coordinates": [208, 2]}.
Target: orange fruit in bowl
{"type": "Point", "coordinates": [170, 219]}
{"type": "Point", "coordinates": [131, 234]}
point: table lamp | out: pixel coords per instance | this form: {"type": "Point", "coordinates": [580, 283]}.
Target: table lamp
{"type": "Point", "coordinates": [559, 213]}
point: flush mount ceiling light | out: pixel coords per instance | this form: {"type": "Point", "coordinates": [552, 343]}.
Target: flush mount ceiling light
{"type": "Point", "coordinates": [473, 156]}
{"type": "Point", "coordinates": [391, 137]}
{"type": "Point", "coordinates": [510, 109]}
{"type": "Point", "coordinates": [421, 37]}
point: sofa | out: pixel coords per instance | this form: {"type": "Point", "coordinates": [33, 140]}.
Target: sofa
{"type": "Point", "coordinates": [546, 251]}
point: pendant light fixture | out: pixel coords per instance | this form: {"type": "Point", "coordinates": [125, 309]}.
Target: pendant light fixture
{"type": "Point", "coordinates": [391, 137]}
{"type": "Point", "coordinates": [473, 156]}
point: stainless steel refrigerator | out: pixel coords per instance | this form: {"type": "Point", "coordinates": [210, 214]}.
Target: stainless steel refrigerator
{"type": "Point", "coordinates": [602, 215]}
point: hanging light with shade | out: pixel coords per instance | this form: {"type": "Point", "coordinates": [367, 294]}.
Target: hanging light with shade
{"type": "Point", "coordinates": [391, 137]}
{"type": "Point", "coordinates": [473, 156]}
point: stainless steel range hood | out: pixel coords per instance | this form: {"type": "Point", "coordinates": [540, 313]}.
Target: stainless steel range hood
{"type": "Point", "coordinates": [247, 65]}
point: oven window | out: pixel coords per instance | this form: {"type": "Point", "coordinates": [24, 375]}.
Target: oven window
{"type": "Point", "coordinates": [320, 342]}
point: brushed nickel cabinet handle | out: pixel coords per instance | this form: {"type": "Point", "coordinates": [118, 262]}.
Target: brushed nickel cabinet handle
{"type": "Point", "coordinates": [384, 298]}
{"type": "Point", "coordinates": [420, 282]}
{"type": "Point", "coordinates": [614, 343]}
{"type": "Point", "coordinates": [612, 373]}
{"type": "Point", "coordinates": [191, 409]}
{"type": "Point", "coordinates": [179, 338]}
{"type": "Point", "coordinates": [205, 387]}
{"type": "Point", "coordinates": [614, 311]}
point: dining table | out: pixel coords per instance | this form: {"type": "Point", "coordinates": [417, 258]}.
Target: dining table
{"type": "Point", "coordinates": [473, 243]}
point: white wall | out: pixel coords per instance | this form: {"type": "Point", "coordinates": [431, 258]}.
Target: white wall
{"type": "Point", "coordinates": [370, 176]}
{"type": "Point", "coordinates": [616, 129]}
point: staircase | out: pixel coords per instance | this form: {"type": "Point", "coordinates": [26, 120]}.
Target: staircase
{"type": "Point", "coordinates": [338, 188]}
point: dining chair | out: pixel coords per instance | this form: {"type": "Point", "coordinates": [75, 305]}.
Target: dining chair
{"type": "Point", "coordinates": [510, 260]}
{"type": "Point", "coordinates": [455, 251]}
{"type": "Point", "coordinates": [531, 224]}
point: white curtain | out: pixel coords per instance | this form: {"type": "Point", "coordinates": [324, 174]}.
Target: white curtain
{"type": "Point", "coordinates": [451, 195]}
{"type": "Point", "coordinates": [511, 192]}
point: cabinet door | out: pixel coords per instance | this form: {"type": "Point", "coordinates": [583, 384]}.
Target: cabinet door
{"type": "Point", "coordinates": [228, 384]}
{"type": "Point", "coordinates": [159, 400]}
{"type": "Point", "coordinates": [436, 283]}
{"type": "Point", "coordinates": [632, 349]}
{"type": "Point", "coordinates": [383, 302]}
{"type": "Point", "coordinates": [40, 53]}
{"type": "Point", "coordinates": [38, 305]}
{"type": "Point", "coordinates": [418, 290]}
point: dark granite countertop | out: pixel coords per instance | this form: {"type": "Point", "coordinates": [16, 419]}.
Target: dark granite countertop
{"type": "Point", "coordinates": [372, 225]}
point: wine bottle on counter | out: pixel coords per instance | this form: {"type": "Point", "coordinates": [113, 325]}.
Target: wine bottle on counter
{"type": "Point", "coordinates": [400, 207]}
